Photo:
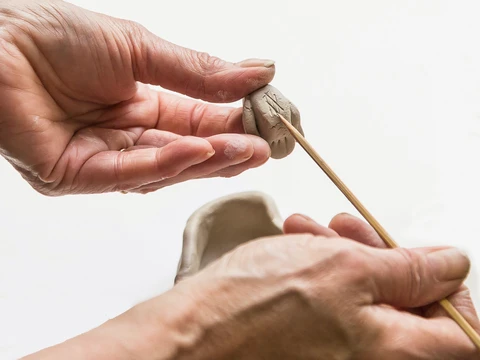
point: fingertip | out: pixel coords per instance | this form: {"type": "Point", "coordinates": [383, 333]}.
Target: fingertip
{"type": "Point", "coordinates": [290, 219]}
{"type": "Point", "coordinates": [339, 220]}
{"type": "Point", "coordinates": [354, 228]}
{"type": "Point", "coordinates": [261, 154]}
{"type": "Point", "coordinates": [298, 216]}
{"type": "Point", "coordinates": [259, 77]}
{"type": "Point", "coordinates": [291, 223]}
{"type": "Point", "coordinates": [250, 63]}
{"type": "Point", "coordinates": [201, 147]}
{"type": "Point", "coordinates": [448, 264]}
{"type": "Point", "coordinates": [238, 82]}
{"type": "Point", "coordinates": [299, 223]}
{"type": "Point", "coordinates": [238, 148]}
{"type": "Point", "coordinates": [262, 151]}
{"type": "Point", "coordinates": [182, 154]}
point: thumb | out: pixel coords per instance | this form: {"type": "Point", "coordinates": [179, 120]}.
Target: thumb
{"type": "Point", "coordinates": [195, 74]}
{"type": "Point", "coordinates": [416, 277]}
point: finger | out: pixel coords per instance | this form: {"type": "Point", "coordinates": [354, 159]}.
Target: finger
{"type": "Point", "coordinates": [299, 224]}
{"type": "Point", "coordinates": [172, 113]}
{"type": "Point", "coordinates": [196, 74]}
{"type": "Point", "coordinates": [354, 228]}
{"type": "Point", "coordinates": [156, 138]}
{"type": "Point", "coordinates": [462, 301]}
{"type": "Point", "coordinates": [351, 227]}
{"type": "Point", "coordinates": [261, 155]}
{"type": "Point", "coordinates": [236, 170]}
{"type": "Point", "coordinates": [114, 171]}
{"type": "Point", "coordinates": [230, 149]}
{"type": "Point", "coordinates": [406, 336]}
{"type": "Point", "coordinates": [191, 117]}
{"type": "Point", "coordinates": [413, 278]}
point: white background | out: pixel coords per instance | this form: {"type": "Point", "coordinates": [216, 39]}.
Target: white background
{"type": "Point", "coordinates": [389, 93]}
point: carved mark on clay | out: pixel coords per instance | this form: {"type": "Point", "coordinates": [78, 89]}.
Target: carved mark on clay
{"type": "Point", "coordinates": [273, 104]}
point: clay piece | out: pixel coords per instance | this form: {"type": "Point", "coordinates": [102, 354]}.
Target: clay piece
{"type": "Point", "coordinates": [260, 118]}
{"type": "Point", "coordinates": [223, 224]}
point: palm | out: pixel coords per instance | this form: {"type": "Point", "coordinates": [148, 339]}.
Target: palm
{"type": "Point", "coordinates": [73, 93]}
{"type": "Point", "coordinates": [72, 106]}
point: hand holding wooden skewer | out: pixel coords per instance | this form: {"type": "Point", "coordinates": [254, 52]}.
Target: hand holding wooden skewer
{"type": "Point", "coordinates": [449, 308]}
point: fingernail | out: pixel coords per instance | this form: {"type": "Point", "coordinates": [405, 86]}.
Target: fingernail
{"type": "Point", "coordinates": [210, 153]}
{"type": "Point", "coordinates": [269, 63]}
{"type": "Point", "coordinates": [449, 264]}
{"type": "Point", "coordinates": [256, 63]}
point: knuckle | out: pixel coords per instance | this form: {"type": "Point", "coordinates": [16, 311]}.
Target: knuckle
{"type": "Point", "coordinates": [292, 252]}
{"type": "Point", "coordinates": [350, 256]}
{"type": "Point", "coordinates": [355, 265]}
{"type": "Point", "coordinates": [164, 172]}
{"type": "Point", "coordinates": [412, 272]}
{"type": "Point", "coordinates": [118, 167]}
{"type": "Point", "coordinates": [324, 256]}
{"type": "Point", "coordinates": [323, 263]}
{"type": "Point", "coordinates": [132, 29]}
{"type": "Point", "coordinates": [205, 64]}
{"type": "Point", "coordinates": [306, 243]}
{"type": "Point", "coordinates": [198, 113]}
{"type": "Point", "coordinates": [140, 46]}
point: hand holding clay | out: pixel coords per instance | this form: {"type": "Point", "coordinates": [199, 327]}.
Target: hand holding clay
{"type": "Point", "coordinates": [260, 118]}
{"type": "Point", "coordinates": [81, 118]}
{"type": "Point", "coordinates": [311, 294]}
{"type": "Point", "coordinates": [324, 296]}
{"type": "Point", "coordinates": [224, 224]}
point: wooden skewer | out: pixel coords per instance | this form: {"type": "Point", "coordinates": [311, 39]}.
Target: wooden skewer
{"type": "Point", "coordinates": [449, 308]}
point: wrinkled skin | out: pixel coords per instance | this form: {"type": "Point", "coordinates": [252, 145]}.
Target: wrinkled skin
{"type": "Point", "coordinates": [310, 294]}
{"type": "Point", "coordinates": [260, 118]}
{"type": "Point", "coordinates": [326, 297]}
{"type": "Point", "coordinates": [73, 94]}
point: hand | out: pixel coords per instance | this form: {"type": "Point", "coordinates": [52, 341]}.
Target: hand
{"type": "Point", "coordinates": [311, 294]}
{"type": "Point", "coordinates": [348, 226]}
{"type": "Point", "coordinates": [316, 294]}
{"type": "Point", "coordinates": [73, 94]}
{"type": "Point", "coordinates": [311, 297]}
{"type": "Point", "coordinates": [351, 227]}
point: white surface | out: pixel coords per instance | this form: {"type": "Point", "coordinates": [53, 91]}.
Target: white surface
{"type": "Point", "coordinates": [389, 93]}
